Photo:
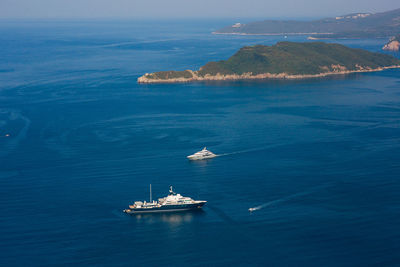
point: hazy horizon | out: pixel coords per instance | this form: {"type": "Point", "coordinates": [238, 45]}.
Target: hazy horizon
{"type": "Point", "coordinates": [175, 9]}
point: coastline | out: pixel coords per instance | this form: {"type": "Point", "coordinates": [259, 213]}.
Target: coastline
{"type": "Point", "coordinates": [249, 76]}
{"type": "Point", "coordinates": [311, 35]}
{"type": "Point", "coordinates": [272, 34]}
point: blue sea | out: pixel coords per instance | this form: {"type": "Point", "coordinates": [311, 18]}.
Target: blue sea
{"type": "Point", "coordinates": [80, 140]}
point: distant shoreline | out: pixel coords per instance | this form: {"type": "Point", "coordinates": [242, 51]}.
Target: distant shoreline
{"type": "Point", "coordinates": [356, 25]}
{"type": "Point", "coordinates": [272, 34]}
{"type": "Point", "coordinates": [311, 35]}
{"type": "Point", "coordinates": [249, 76]}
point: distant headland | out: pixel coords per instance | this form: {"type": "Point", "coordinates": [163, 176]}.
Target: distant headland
{"type": "Point", "coordinates": [357, 25]}
{"type": "Point", "coordinates": [285, 60]}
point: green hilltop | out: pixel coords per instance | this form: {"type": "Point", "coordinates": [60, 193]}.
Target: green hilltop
{"type": "Point", "coordinates": [296, 58]}
{"type": "Point", "coordinates": [289, 58]}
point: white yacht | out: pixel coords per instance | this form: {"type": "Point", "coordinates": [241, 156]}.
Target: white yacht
{"type": "Point", "coordinates": [203, 154]}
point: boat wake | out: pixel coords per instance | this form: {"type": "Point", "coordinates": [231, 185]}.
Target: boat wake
{"type": "Point", "coordinates": [222, 214]}
{"type": "Point", "coordinates": [239, 152]}
{"type": "Point", "coordinates": [248, 150]}
{"type": "Point", "coordinates": [284, 199]}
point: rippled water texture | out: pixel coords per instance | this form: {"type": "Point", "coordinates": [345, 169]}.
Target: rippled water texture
{"type": "Point", "coordinates": [318, 159]}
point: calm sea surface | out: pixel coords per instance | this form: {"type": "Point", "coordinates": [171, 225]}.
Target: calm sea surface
{"type": "Point", "coordinates": [320, 158]}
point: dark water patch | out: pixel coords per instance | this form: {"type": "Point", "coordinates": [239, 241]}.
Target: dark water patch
{"type": "Point", "coordinates": [381, 133]}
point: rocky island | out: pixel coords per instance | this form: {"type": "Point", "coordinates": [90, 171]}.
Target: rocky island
{"type": "Point", "coordinates": [393, 44]}
{"type": "Point", "coordinates": [285, 60]}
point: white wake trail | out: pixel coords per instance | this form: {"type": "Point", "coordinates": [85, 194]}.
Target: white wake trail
{"type": "Point", "coordinates": [248, 150]}
{"type": "Point", "coordinates": [277, 201]}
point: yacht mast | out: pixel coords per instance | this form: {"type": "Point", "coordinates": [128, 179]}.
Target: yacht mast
{"type": "Point", "coordinates": [150, 194]}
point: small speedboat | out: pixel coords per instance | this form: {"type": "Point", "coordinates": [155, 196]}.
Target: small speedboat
{"type": "Point", "coordinates": [203, 154]}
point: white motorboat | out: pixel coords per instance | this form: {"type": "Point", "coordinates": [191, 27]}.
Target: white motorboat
{"type": "Point", "coordinates": [203, 154]}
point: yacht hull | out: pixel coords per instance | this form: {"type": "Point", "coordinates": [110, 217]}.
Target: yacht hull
{"type": "Point", "coordinates": [200, 158]}
{"type": "Point", "coordinates": [167, 208]}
